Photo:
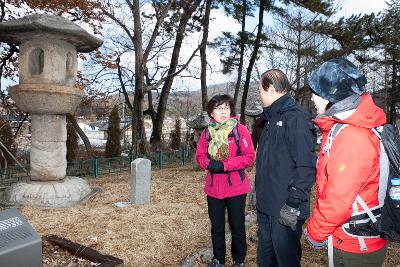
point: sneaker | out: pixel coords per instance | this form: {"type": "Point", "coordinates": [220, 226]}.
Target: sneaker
{"type": "Point", "coordinates": [215, 263]}
{"type": "Point", "coordinates": [235, 264]}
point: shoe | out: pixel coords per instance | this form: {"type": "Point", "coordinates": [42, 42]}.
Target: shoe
{"type": "Point", "coordinates": [235, 264]}
{"type": "Point", "coordinates": [215, 263]}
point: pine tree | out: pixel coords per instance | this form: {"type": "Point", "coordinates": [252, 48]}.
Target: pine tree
{"type": "Point", "coordinates": [113, 145]}
{"type": "Point", "coordinates": [176, 135]}
{"type": "Point", "coordinates": [7, 139]}
{"type": "Point", "coordinates": [72, 141]}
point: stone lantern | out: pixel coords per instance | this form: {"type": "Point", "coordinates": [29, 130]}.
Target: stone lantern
{"type": "Point", "coordinates": [254, 111]}
{"type": "Point", "coordinates": [198, 124]}
{"type": "Point", "coordinates": [48, 63]}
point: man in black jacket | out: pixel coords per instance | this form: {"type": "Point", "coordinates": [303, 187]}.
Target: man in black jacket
{"type": "Point", "coordinates": [285, 173]}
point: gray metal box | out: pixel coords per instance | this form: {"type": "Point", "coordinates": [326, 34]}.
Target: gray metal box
{"type": "Point", "coordinates": [20, 245]}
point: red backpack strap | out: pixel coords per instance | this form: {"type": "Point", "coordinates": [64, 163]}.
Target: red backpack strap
{"type": "Point", "coordinates": [207, 135]}
{"type": "Point", "coordinates": [236, 135]}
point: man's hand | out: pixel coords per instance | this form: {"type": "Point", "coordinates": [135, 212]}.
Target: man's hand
{"type": "Point", "coordinates": [216, 166]}
{"type": "Point", "coordinates": [312, 242]}
{"type": "Point", "coordinates": [288, 216]}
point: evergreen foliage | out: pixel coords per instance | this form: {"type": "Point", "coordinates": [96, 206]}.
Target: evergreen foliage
{"type": "Point", "coordinates": [113, 145]}
{"type": "Point", "coordinates": [7, 139]}
{"type": "Point", "coordinates": [176, 135]}
{"type": "Point", "coordinates": [72, 141]}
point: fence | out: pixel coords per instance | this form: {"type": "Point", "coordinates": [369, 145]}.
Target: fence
{"type": "Point", "coordinates": [101, 166]}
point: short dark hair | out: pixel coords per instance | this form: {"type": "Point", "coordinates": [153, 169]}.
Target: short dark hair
{"type": "Point", "coordinates": [277, 78]}
{"type": "Point", "coordinates": [218, 100]}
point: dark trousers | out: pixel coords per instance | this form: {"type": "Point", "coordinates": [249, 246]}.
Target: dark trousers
{"type": "Point", "coordinates": [346, 259]}
{"type": "Point", "coordinates": [278, 245]}
{"type": "Point", "coordinates": [236, 218]}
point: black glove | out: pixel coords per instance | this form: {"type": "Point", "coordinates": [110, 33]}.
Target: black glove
{"type": "Point", "coordinates": [312, 242]}
{"type": "Point", "coordinates": [216, 166]}
{"type": "Point", "coordinates": [288, 216]}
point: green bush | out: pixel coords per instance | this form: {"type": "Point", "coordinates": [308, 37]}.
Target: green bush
{"type": "Point", "coordinates": [113, 145]}
{"type": "Point", "coordinates": [175, 135]}
{"type": "Point", "coordinates": [7, 139]}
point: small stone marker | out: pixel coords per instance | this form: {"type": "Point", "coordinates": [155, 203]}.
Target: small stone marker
{"type": "Point", "coordinates": [141, 175]}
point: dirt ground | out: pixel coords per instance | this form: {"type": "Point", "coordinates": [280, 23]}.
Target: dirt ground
{"type": "Point", "coordinates": [163, 233]}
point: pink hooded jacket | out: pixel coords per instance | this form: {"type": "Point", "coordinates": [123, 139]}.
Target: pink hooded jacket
{"type": "Point", "coordinates": [220, 187]}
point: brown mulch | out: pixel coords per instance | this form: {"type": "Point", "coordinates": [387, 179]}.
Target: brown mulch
{"type": "Point", "coordinates": [163, 233]}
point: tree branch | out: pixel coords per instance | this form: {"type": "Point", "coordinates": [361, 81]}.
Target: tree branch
{"type": "Point", "coordinates": [126, 96]}
{"type": "Point", "coordinates": [184, 66]}
{"type": "Point", "coordinates": [154, 35]}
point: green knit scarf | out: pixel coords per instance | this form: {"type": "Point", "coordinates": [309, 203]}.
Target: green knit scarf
{"type": "Point", "coordinates": [218, 146]}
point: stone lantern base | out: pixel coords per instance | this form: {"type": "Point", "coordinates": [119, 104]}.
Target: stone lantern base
{"type": "Point", "coordinates": [57, 194]}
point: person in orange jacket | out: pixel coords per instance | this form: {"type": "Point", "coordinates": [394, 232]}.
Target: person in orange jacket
{"type": "Point", "coordinates": [348, 167]}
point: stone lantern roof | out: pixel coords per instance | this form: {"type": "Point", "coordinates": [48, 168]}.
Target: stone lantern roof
{"type": "Point", "coordinates": [200, 122]}
{"type": "Point", "coordinates": [254, 110]}
{"type": "Point", "coordinates": [54, 27]}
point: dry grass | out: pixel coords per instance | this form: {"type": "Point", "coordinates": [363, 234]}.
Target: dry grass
{"type": "Point", "coordinates": [162, 233]}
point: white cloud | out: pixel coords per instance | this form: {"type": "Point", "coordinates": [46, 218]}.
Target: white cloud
{"type": "Point", "coordinates": [350, 7]}
{"type": "Point", "coordinates": [221, 23]}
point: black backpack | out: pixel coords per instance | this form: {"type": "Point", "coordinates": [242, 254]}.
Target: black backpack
{"type": "Point", "coordinates": [389, 226]}
{"type": "Point", "coordinates": [384, 220]}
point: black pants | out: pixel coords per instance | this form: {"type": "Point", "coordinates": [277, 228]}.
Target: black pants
{"type": "Point", "coordinates": [278, 245]}
{"type": "Point", "coordinates": [236, 218]}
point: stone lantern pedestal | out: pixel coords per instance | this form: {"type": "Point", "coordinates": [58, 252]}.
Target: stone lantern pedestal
{"type": "Point", "coordinates": [47, 71]}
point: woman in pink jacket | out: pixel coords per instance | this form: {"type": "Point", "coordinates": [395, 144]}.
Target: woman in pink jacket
{"type": "Point", "coordinates": [225, 149]}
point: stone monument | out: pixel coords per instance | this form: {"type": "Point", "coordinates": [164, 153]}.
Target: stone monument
{"type": "Point", "coordinates": [141, 181]}
{"type": "Point", "coordinates": [48, 63]}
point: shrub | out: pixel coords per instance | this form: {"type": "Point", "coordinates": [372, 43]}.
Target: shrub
{"type": "Point", "coordinates": [7, 139]}
{"type": "Point", "coordinates": [113, 145]}
{"type": "Point", "coordinates": [175, 135]}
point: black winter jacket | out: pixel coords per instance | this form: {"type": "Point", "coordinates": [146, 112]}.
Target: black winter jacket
{"type": "Point", "coordinates": [286, 158]}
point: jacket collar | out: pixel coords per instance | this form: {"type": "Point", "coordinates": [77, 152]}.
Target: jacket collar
{"type": "Point", "coordinates": [280, 105]}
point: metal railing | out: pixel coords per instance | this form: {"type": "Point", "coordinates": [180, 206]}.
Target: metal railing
{"type": "Point", "coordinates": [98, 167]}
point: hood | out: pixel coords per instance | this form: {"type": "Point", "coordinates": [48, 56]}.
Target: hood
{"type": "Point", "coordinates": [366, 115]}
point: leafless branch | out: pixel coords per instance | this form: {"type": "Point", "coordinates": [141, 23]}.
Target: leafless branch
{"type": "Point", "coordinates": [184, 66]}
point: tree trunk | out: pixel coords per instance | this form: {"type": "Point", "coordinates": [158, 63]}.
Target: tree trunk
{"type": "Point", "coordinates": [242, 46]}
{"type": "Point", "coordinates": [21, 123]}
{"type": "Point", "coordinates": [298, 59]}
{"type": "Point", "coordinates": [187, 13]}
{"type": "Point", "coordinates": [138, 133]}
{"type": "Point", "coordinates": [252, 61]}
{"type": "Point", "coordinates": [82, 135]}
{"type": "Point", "coordinates": [150, 110]}
{"type": "Point", "coordinates": [203, 55]}
{"type": "Point", "coordinates": [391, 115]}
